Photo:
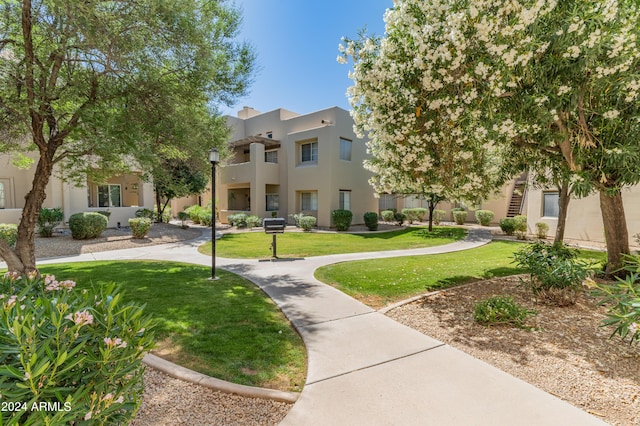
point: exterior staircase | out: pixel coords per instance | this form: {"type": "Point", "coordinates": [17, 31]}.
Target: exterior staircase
{"type": "Point", "coordinates": [517, 197]}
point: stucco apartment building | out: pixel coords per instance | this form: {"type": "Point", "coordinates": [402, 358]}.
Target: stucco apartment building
{"type": "Point", "coordinates": [120, 195]}
{"type": "Point", "coordinates": [284, 163]}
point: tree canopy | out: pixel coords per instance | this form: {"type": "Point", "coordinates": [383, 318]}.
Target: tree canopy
{"type": "Point", "coordinates": [96, 86]}
{"type": "Point", "coordinates": [545, 78]}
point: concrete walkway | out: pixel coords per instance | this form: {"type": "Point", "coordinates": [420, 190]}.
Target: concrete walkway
{"type": "Point", "coordinates": [366, 369]}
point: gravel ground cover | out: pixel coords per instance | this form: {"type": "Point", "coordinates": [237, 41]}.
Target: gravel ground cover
{"type": "Point", "coordinates": [568, 354]}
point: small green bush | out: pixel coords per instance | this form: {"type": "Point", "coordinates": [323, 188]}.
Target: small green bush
{"type": "Point", "coordinates": [342, 219]}
{"type": "Point", "coordinates": [166, 214]}
{"type": "Point", "coordinates": [87, 225]}
{"type": "Point", "coordinates": [484, 217]}
{"type": "Point", "coordinates": [9, 233]}
{"type": "Point", "coordinates": [500, 310]}
{"type": "Point", "coordinates": [104, 213]}
{"type": "Point", "coordinates": [48, 220]}
{"type": "Point", "coordinates": [508, 225]}
{"type": "Point", "coordinates": [554, 272]}
{"type": "Point", "coordinates": [194, 213]}
{"type": "Point", "coordinates": [140, 226]}
{"type": "Point", "coordinates": [307, 222]}
{"type": "Point", "coordinates": [399, 218]}
{"type": "Point", "coordinates": [296, 218]}
{"type": "Point", "coordinates": [438, 216]}
{"type": "Point", "coordinates": [541, 230]}
{"type": "Point", "coordinates": [459, 216]}
{"type": "Point", "coordinates": [253, 221]}
{"type": "Point", "coordinates": [412, 215]}
{"type": "Point", "coordinates": [456, 209]}
{"type": "Point", "coordinates": [387, 215]}
{"type": "Point", "coordinates": [623, 299]}
{"type": "Point", "coordinates": [81, 350]}
{"type": "Point", "coordinates": [371, 221]}
{"type": "Point", "coordinates": [421, 212]}
{"type": "Point", "coordinates": [183, 217]}
{"type": "Point", "coordinates": [146, 213]}
{"type": "Point", "coordinates": [239, 220]}
{"type": "Point", "coordinates": [520, 226]}
{"type": "Point", "coordinates": [204, 217]}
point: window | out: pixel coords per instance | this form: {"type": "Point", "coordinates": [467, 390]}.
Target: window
{"type": "Point", "coordinates": [109, 196]}
{"type": "Point", "coordinates": [550, 204]}
{"type": "Point", "coordinates": [345, 149]}
{"type": "Point", "coordinates": [345, 199]}
{"type": "Point", "coordinates": [309, 201]}
{"type": "Point", "coordinates": [272, 201]}
{"type": "Point", "coordinates": [387, 202]}
{"type": "Point", "coordinates": [271, 157]}
{"type": "Point", "coordinates": [412, 202]}
{"type": "Point", "coordinates": [309, 152]}
{"type": "Point", "coordinates": [2, 196]}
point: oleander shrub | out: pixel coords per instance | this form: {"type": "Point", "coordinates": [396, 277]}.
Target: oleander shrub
{"type": "Point", "coordinates": [459, 216]}
{"type": "Point", "coordinates": [484, 217]}
{"type": "Point", "coordinates": [555, 273]}
{"type": "Point", "coordinates": [140, 226]}
{"type": "Point", "coordinates": [239, 220]}
{"type": "Point", "coordinates": [508, 225]}
{"type": "Point", "coordinates": [204, 217]}
{"type": "Point", "coordinates": [438, 216]}
{"type": "Point", "coordinates": [342, 219]}
{"type": "Point", "coordinates": [387, 215]}
{"type": "Point", "coordinates": [48, 219]}
{"type": "Point", "coordinates": [183, 216]}
{"type": "Point", "coordinates": [541, 230]}
{"type": "Point", "coordinates": [623, 300]}
{"type": "Point", "coordinates": [371, 221]}
{"type": "Point", "coordinates": [78, 351]}
{"type": "Point", "coordinates": [520, 226]}
{"type": "Point", "coordinates": [307, 223]}
{"type": "Point", "coordinates": [9, 233]}
{"type": "Point", "coordinates": [194, 213]}
{"type": "Point", "coordinates": [296, 218]}
{"type": "Point", "coordinates": [253, 221]}
{"type": "Point", "coordinates": [89, 225]}
{"type": "Point", "coordinates": [501, 310]}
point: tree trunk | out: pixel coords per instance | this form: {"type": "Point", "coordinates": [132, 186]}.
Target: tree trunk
{"type": "Point", "coordinates": [432, 207]}
{"type": "Point", "coordinates": [615, 230]}
{"type": "Point", "coordinates": [563, 201]}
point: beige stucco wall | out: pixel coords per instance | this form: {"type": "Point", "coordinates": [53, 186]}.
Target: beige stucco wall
{"type": "Point", "coordinates": [584, 219]}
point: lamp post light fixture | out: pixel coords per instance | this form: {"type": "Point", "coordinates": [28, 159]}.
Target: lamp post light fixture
{"type": "Point", "coordinates": [214, 158]}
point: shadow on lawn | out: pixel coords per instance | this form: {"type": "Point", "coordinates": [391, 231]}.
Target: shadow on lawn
{"type": "Point", "coordinates": [464, 279]}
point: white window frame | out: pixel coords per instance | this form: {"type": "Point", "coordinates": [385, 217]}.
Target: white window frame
{"type": "Point", "coordinates": [312, 203]}
{"type": "Point", "coordinates": [271, 156]}
{"type": "Point", "coordinates": [345, 199]}
{"type": "Point", "coordinates": [548, 209]}
{"type": "Point", "coordinates": [313, 152]}
{"type": "Point", "coordinates": [345, 149]}
{"type": "Point", "coordinates": [109, 187]}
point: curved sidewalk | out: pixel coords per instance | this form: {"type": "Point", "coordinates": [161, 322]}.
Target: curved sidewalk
{"type": "Point", "coordinates": [365, 368]}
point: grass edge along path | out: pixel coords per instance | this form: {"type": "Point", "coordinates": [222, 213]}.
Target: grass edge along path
{"type": "Point", "coordinates": [247, 245]}
{"type": "Point", "coordinates": [381, 282]}
{"type": "Point", "coordinates": [229, 329]}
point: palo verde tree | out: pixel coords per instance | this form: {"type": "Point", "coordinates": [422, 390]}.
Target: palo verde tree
{"type": "Point", "coordinates": [541, 75]}
{"type": "Point", "coordinates": [80, 80]}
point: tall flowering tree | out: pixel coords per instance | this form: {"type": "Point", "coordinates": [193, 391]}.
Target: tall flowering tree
{"type": "Point", "coordinates": [480, 78]}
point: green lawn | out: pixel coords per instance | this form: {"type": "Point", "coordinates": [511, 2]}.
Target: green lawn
{"type": "Point", "coordinates": [383, 281]}
{"type": "Point", "coordinates": [227, 328]}
{"type": "Point", "coordinates": [302, 244]}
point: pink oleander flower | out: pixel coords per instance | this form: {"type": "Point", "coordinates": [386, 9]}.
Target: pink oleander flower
{"type": "Point", "coordinates": [31, 275]}
{"type": "Point", "coordinates": [115, 342]}
{"type": "Point", "coordinates": [81, 318]}
{"type": "Point", "coordinates": [11, 301]}
{"type": "Point", "coordinates": [67, 284]}
{"type": "Point", "coordinates": [12, 275]}
{"type": "Point", "coordinates": [634, 328]}
{"type": "Point", "coordinates": [88, 415]}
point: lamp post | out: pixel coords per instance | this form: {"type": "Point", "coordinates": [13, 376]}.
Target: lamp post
{"type": "Point", "coordinates": [214, 158]}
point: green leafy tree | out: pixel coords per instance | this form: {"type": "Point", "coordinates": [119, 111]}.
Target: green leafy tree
{"type": "Point", "coordinates": [97, 87]}
{"type": "Point", "coordinates": [544, 76]}
{"type": "Point", "coordinates": [177, 178]}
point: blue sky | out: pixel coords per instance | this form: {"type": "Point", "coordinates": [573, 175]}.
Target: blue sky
{"type": "Point", "coordinates": [296, 42]}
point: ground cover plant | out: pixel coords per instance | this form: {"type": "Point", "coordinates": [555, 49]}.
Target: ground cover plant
{"type": "Point", "coordinates": [383, 281]}
{"type": "Point", "coordinates": [230, 330]}
{"type": "Point", "coordinates": [298, 244]}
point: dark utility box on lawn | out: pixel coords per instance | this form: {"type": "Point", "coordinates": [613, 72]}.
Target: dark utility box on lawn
{"type": "Point", "coordinates": [274, 225]}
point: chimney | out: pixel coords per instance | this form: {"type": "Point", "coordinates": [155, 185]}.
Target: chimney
{"type": "Point", "coordinates": [247, 112]}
